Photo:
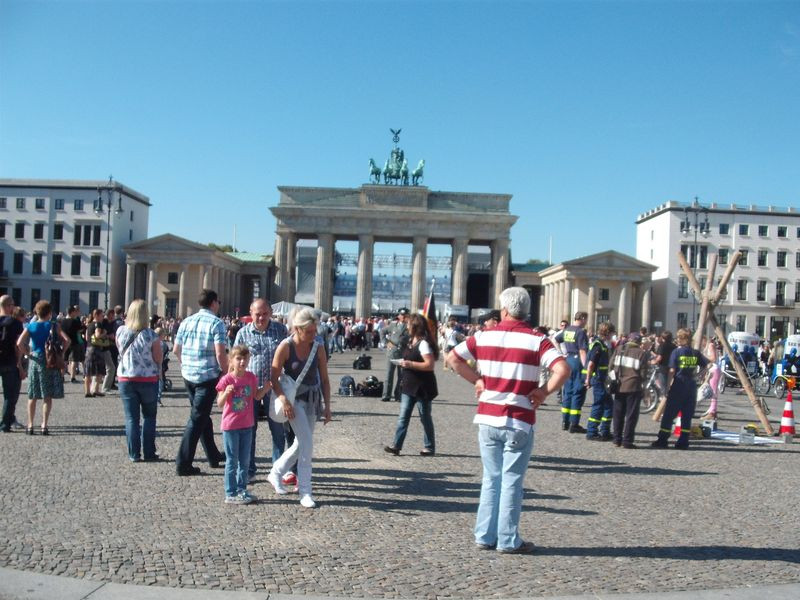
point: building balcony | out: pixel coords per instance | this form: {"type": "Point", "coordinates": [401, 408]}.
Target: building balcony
{"type": "Point", "coordinates": [781, 302]}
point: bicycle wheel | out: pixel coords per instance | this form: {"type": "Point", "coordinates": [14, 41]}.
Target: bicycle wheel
{"type": "Point", "coordinates": [649, 400]}
{"type": "Point", "coordinates": [779, 389]}
{"type": "Point", "coordinates": [167, 383]}
{"type": "Point", "coordinates": [722, 384]}
{"type": "Point", "coordinates": [762, 385]}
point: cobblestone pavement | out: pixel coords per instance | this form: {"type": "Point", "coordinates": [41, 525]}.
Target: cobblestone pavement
{"type": "Point", "coordinates": [606, 520]}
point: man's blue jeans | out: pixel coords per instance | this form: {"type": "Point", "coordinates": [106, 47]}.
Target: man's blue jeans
{"type": "Point", "coordinates": [199, 426]}
{"type": "Point", "coordinates": [12, 382]}
{"type": "Point", "coordinates": [505, 453]}
{"type": "Point", "coordinates": [140, 398]}
{"type": "Point", "coordinates": [237, 459]}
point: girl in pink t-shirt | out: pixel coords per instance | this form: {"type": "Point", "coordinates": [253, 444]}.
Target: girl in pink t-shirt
{"type": "Point", "coordinates": [239, 389]}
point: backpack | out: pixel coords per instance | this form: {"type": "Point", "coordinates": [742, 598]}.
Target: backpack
{"type": "Point", "coordinates": [371, 387]}
{"type": "Point", "coordinates": [363, 362]}
{"type": "Point", "coordinates": [347, 386]}
{"type": "Point", "coordinates": [8, 344]}
{"type": "Point", "coordinates": [54, 349]}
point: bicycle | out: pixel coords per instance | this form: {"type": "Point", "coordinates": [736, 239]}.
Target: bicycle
{"type": "Point", "coordinates": [650, 396]}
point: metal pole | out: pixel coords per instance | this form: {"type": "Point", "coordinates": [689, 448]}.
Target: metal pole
{"type": "Point", "coordinates": [108, 243]}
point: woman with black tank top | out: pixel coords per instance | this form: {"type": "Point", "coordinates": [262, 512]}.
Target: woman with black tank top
{"type": "Point", "coordinates": [418, 386]}
{"type": "Point", "coordinates": [312, 401]}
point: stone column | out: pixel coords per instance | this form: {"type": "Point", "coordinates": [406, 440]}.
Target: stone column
{"type": "Point", "coordinates": [130, 281]}
{"type": "Point", "coordinates": [624, 308]}
{"type": "Point", "coordinates": [281, 267]}
{"type": "Point", "coordinates": [567, 305]}
{"type": "Point", "coordinates": [542, 309]}
{"type": "Point", "coordinates": [460, 271]}
{"type": "Point", "coordinates": [181, 293]}
{"type": "Point", "coordinates": [237, 292]}
{"type": "Point", "coordinates": [499, 269]}
{"type": "Point", "coordinates": [364, 277]}
{"type": "Point", "coordinates": [201, 278]}
{"type": "Point", "coordinates": [646, 294]}
{"type": "Point", "coordinates": [592, 309]}
{"type": "Point", "coordinates": [322, 278]}
{"type": "Point", "coordinates": [418, 259]}
{"type": "Point", "coordinates": [548, 304]}
{"type": "Point", "coordinates": [263, 290]}
{"type": "Point", "coordinates": [152, 275]}
{"type": "Point", "coordinates": [291, 262]}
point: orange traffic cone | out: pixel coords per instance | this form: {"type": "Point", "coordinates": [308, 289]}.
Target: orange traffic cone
{"type": "Point", "coordinates": [787, 420]}
{"type": "Point", "coordinates": [676, 425]}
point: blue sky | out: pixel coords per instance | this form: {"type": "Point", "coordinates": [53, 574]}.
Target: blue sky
{"type": "Point", "coordinates": [587, 112]}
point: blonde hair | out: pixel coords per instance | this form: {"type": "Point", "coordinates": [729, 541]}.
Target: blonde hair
{"type": "Point", "coordinates": [138, 316]}
{"type": "Point", "coordinates": [683, 336]}
{"type": "Point", "coordinates": [303, 317]}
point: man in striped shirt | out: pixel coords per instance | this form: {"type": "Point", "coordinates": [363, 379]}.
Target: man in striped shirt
{"type": "Point", "coordinates": [509, 358]}
{"type": "Point", "coordinates": [201, 347]}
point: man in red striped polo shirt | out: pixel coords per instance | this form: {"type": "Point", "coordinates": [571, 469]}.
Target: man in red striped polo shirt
{"type": "Point", "coordinates": [508, 359]}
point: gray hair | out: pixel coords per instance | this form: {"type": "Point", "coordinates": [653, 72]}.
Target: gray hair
{"type": "Point", "coordinates": [303, 317]}
{"type": "Point", "coordinates": [516, 301]}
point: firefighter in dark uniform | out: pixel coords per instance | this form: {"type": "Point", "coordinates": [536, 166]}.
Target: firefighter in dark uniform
{"type": "Point", "coordinates": [682, 396]}
{"type": "Point", "coordinates": [396, 337]}
{"type": "Point", "coordinates": [575, 344]}
{"type": "Point", "coordinates": [599, 425]}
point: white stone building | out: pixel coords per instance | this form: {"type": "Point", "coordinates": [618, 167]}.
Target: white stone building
{"type": "Point", "coordinates": [58, 244]}
{"type": "Point", "coordinates": [763, 296]}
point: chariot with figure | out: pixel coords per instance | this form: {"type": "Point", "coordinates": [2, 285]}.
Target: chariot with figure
{"type": "Point", "coordinates": [395, 169]}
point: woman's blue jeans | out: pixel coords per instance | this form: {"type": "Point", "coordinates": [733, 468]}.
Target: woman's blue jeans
{"type": "Point", "coordinates": [406, 408]}
{"type": "Point", "coordinates": [140, 400]}
{"type": "Point", "coordinates": [505, 453]}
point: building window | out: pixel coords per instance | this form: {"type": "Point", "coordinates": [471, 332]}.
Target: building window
{"type": "Point", "coordinates": [20, 203]}
{"type": "Point", "coordinates": [781, 258]}
{"type": "Point", "coordinates": [76, 264]}
{"type": "Point", "coordinates": [796, 291]}
{"type": "Point", "coordinates": [19, 231]}
{"type": "Point", "coordinates": [74, 297]}
{"type": "Point", "coordinates": [683, 287]}
{"type": "Point", "coordinates": [761, 290]}
{"type": "Point", "coordinates": [3, 233]}
{"type": "Point", "coordinates": [780, 293]}
{"type": "Point", "coordinates": [172, 278]}
{"type": "Point", "coordinates": [724, 228]}
{"type": "Point", "coordinates": [78, 204]}
{"type": "Point", "coordinates": [762, 258]}
{"type": "Point", "coordinates": [3, 266]}
{"type": "Point", "coordinates": [59, 204]}
{"type": "Point", "coordinates": [743, 258]}
{"type": "Point", "coordinates": [741, 322]}
{"type": "Point", "coordinates": [130, 237]}
{"type": "Point", "coordinates": [55, 301]}
{"type": "Point", "coordinates": [87, 235]}
{"type": "Point", "coordinates": [744, 229]}
{"type": "Point", "coordinates": [723, 256]}
{"type": "Point", "coordinates": [96, 235]}
{"type": "Point", "coordinates": [36, 269]}
{"type": "Point", "coordinates": [3, 205]}
{"type": "Point", "coordinates": [605, 294]}
{"type": "Point", "coordinates": [58, 231]}
{"type": "Point", "coordinates": [94, 300]}
{"type": "Point", "coordinates": [39, 203]}
{"type": "Point", "coordinates": [94, 266]}
{"type": "Point", "coordinates": [56, 264]}
{"type": "Point", "coordinates": [761, 321]}
{"type": "Point", "coordinates": [38, 231]}
{"type": "Point", "coordinates": [131, 216]}
{"type": "Point", "coordinates": [783, 231]}
{"type": "Point", "coordinates": [18, 258]}
{"type": "Point", "coordinates": [763, 230]}
{"type": "Point", "coordinates": [36, 295]}
{"type": "Point", "coordinates": [683, 320]}
{"type": "Point", "coordinates": [16, 293]}
{"type": "Point", "coordinates": [741, 289]}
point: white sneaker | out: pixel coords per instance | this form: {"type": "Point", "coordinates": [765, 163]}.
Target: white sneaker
{"type": "Point", "coordinates": [307, 501]}
{"type": "Point", "coordinates": [276, 483]}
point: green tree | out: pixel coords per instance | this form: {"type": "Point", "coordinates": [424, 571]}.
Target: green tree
{"type": "Point", "coordinates": [224, 248]}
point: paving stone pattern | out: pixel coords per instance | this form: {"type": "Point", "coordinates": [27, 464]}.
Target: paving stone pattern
{"type": "Point", "coordinates": [605, 519]}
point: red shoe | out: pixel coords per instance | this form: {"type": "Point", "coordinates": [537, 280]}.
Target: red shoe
{"type": "Point", "coordinates": [290, 479]}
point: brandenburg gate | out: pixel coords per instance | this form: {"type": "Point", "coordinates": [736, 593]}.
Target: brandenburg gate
{"type": "Point", "coordinates": [389, 213]}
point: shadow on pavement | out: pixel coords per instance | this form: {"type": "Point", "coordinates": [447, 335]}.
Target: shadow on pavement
{"type": "Point", "coordinates": [748, 553]}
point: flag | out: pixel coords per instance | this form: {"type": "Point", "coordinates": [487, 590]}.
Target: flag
{"type": "Point", "coordinates": [429, 312]}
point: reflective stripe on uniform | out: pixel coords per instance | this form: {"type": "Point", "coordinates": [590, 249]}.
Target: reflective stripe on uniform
{"type": "Point", "coordinates": [593, 420]}
{"type": "Point", "coordinates": [627, 361]}
{"type": "Point", "coordinates": [564, 410]}
{"type": "Point", "coordinates": [573, 411]}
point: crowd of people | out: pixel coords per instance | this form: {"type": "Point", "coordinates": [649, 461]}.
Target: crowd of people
{"type": "Point", "coordinates": [242, 365]}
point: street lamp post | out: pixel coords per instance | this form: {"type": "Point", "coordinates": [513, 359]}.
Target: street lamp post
{"type": "Point", "coordinates": [704, 228]}
{"type": "Point", "coordinates": [110, 188]}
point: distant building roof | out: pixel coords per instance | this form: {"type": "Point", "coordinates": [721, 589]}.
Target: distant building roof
{"type": "Point", "coordinates": [251, 256]}
{"type": "Point", "coordinates": [528, 268]}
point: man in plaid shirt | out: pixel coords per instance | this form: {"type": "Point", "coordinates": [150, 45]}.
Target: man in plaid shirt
{"type": "Point", "coordinates": [201, 347]}
{"type": "Point", "coordinates": [262, 337]}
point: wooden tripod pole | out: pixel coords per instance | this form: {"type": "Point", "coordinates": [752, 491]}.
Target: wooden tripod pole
{"type": "Point", "coordinates": [740, 372]}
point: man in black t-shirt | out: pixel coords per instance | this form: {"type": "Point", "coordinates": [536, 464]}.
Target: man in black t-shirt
{"type": "Point", "coordinates": [76, 353]}
{"type": "Point", "coordinates": [661, 360]}
{"type": "Point", "coordinates": [11, 370]}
